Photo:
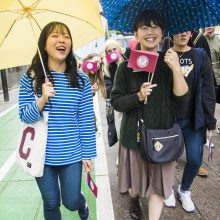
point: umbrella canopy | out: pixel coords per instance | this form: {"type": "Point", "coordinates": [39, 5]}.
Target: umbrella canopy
{"type": "Point", "coordinates": [22, 20]}
{"type": "Point", "coordinates": [179, 15]}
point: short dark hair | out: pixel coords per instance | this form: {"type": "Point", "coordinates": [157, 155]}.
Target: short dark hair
{"type": "Point", "coordinates": [146, 17]}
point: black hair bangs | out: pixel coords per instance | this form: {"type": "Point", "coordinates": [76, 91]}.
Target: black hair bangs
{"type": "Point", "coordinates": [146, 18]}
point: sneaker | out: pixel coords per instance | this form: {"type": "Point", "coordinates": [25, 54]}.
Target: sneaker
{"type": "Point", "coordinates": [185, 199]}
{"type": "Point", "coordinates": [202, 172]}
{"type": "Point", "coordinates": [84, 212]}
{"type": "Point", "coordinates": [171, 201]}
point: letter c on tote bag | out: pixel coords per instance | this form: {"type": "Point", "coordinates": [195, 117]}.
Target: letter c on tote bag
{"type": "Point", "coordinates": [30, 152]}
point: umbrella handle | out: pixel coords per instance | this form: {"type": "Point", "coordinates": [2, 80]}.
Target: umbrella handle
{"type": "Point", "coordinates": [38, 50]}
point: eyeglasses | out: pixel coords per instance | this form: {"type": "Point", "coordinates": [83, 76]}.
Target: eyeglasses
{"type": "Point", "coordinates": [111, 50]}
{"type": "Point", "coordinates": [151, 28]}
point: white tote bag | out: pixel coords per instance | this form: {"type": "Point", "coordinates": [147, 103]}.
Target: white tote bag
{"type": "Point", "coordinates": [31, 149]}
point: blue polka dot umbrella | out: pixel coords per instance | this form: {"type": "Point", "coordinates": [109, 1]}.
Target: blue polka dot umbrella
{"type": "Point", "coordinates": [179, 15]}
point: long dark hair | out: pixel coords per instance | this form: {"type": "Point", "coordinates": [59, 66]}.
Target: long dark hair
{"type": "Point", "coordinates": [36, 73]}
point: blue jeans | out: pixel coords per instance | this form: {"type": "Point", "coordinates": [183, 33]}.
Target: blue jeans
{"type": "Point", "coordinates": [194, 141]}
{"type": "Point", "coordinates": [61, 182]}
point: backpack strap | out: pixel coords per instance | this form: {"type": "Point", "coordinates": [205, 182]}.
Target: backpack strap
{"type": "Point", "coordinates": [197, 38]}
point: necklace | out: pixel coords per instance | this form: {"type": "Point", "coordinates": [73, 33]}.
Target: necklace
{"type": "Point", "coordinates": [181, 54]}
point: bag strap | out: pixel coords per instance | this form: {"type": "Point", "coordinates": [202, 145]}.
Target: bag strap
{"type": "Point", "coordinates": [133, 82]}
{"type": "Point", "coordinates": [133, 88]}
{"type": "Point", "coordinates": [197, 38]}
{"type": "Point", "coordinates": [140, 112]}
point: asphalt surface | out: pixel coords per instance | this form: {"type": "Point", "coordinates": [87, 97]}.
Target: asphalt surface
{"type": "Point", "coordinates": [205, 191]}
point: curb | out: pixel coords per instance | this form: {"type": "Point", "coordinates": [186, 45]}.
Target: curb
{"type": "Point", "coordinates": [104, 206]}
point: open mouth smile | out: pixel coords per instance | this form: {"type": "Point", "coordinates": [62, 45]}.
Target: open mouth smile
{"type": "Point", "coordinates": [61, 49]}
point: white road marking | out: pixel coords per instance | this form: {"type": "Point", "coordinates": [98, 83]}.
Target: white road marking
{"type": "Point", "coordinates": [104, 206]}
{"type": "Point", "coordinates": [9, 163]}
{"type": "Point", "coordinates": [8, 110]}
{"type": "Point", "coordinates": [7, 166]}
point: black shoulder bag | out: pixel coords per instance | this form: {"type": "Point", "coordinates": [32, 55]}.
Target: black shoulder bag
{"type": "Point", "coordinates": [159, 145]}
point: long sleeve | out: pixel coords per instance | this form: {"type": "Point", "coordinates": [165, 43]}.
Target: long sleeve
{"type": "Point", "coordinates": [208, 93]}
{"type": "Point", "coordinates": [86, 123]}
{"type": "Point", "coordinates": [121, 98]}
{"type": "Point", "coordinates": [28, 110]}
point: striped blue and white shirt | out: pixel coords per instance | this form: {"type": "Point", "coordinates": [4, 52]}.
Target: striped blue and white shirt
{"type": "Point", "coordinates": [71, 127]}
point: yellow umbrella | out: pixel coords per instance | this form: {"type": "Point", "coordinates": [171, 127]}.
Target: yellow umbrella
{"type": "Point", "coordinates": [22, 20]}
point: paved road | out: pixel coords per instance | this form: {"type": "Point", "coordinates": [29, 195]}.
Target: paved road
{"type": "Point", "coordinates": [205, 191]}
{"type": "Point", "coordinates": [20, 198]}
